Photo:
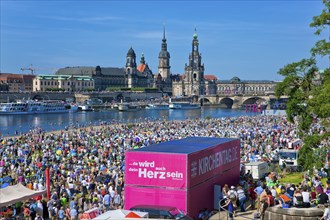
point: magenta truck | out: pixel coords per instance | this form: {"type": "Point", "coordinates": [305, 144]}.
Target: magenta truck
{"type": "Point", "coordinates": [181, 173]}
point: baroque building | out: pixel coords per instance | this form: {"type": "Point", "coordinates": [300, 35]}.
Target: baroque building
{"type": "Point", "coordinates": [104, 77]}
{"type": "Point", "coordinates": [193, 81]}
{"type": "Point", "coordinates": [66, 83]}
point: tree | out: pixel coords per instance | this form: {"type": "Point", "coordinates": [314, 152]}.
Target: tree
{"type": "Point", "coordinates": [309, 93]}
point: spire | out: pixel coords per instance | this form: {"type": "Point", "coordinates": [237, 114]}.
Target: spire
{"type": "Point", "coordinates": [142, 59]}
{"type": "Point", "coordinates": [164, 33]}
{"type": "Point", "coordinates": [195, 34]}
{"type": "Point", "coordinates": [164, 44]}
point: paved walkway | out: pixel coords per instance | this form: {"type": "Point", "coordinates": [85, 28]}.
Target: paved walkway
{"type": "Point", "coordinates": [239, 215]}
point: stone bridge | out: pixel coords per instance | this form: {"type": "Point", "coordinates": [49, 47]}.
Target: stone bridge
{"type": "Point", "coordinates": [235, 101]}
{"type": "Point", "coordinates": [223, 101]}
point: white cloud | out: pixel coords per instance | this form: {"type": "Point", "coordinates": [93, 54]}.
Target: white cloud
{"type": "Point", "coordinates": [99, 19]}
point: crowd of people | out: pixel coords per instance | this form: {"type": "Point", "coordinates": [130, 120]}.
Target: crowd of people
{"type": "Point", "coordinates": [259, 195]}
{"type": "Point", "coordinates": [87, 164]}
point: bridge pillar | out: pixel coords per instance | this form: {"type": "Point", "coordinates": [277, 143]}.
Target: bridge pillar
{"type": "Point", "coordinates": [237, 102]}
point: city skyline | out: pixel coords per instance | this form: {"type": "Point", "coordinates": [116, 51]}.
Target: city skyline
{"type": "Point", "coordinates": [250, 40]}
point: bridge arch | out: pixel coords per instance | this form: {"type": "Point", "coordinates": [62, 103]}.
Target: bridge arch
{"type": "Point", "coordinates": [205, 101]}
{"type": "Point", "coordinates": [253, 100]}
{"type": "Point", "coordinates": [120, 97]}
{"type": "Point", "coordinates": [226, 103]}
{"type": "Point", "coordinates": [38, 96]}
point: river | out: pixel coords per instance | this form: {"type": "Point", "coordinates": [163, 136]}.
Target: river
{"type": "Point", "coordinates": [9, 124]}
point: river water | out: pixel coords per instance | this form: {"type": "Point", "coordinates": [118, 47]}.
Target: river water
{"type": "Point", "coordinates": [9, 124]}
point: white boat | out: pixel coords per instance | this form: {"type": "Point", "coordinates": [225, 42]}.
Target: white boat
{"type": "Point", "coordinates": [158, 106]}
{"type": "Point", "coordinates": [122, 107]}
{"type": "Point", "coordinates": [85, 108]}
{"type": "Point", "coordinates": [128, 107]}
{"type": "Point", "coordinates": [35, 107]}
{"type": "Point", "coordinates": [184, 105]}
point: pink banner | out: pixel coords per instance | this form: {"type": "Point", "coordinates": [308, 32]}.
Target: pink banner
{"type": "Point", "coordinates": [135, 195]}
{"type": "Point", "coordinates": [155, 169]}
{"type": "Point", "coordinates": [213, 161]}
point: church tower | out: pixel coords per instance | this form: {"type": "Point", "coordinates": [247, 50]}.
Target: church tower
{"type": "Point", "coordinates": [130, 67]}
{"type": "Point", "coordinates": [194, 72]}
{"type": "Point", "coordinates": [164, 60]}
{"type": "Point", "coordinates": [163, 79]}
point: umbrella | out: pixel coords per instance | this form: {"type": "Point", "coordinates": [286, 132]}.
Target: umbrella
{"type": "Point", "coordinates": [121, 214]}
{"type": "Point", "coordinates": [132, 215]}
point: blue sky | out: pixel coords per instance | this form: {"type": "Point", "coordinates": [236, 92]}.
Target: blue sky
{"type": "Point", "coordinates": [248, 39]}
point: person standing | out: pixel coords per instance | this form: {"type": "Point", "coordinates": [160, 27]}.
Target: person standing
{"type": "Point", "coordinates": [326, 214]}
{"type": "Point", "coordinates": [241, 198]}
{"type": "Point", "coordinates": [230, 207]}
{"type": "Point", "coordinates": [258, 190]}
{"type": "Point", "coordinates": [107, 200]}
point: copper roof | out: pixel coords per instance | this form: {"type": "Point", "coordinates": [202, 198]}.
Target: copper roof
{"type": "Point", "coordinates": [141, 67]}
{"type": "Point", "coordinates": [210, 77]}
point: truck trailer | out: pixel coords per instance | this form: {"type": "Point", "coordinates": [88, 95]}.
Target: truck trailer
{"type": "Point", "coordinates": [181, 173]}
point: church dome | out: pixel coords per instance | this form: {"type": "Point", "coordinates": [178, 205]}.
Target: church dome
{"type": "Point", "coordinates": [131, 52]}
{"type": "Point", "coordinates": [235, 79]}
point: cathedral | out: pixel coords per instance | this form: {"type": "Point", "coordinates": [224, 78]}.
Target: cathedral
{"type": "Point", "coordinates": [192, 83]}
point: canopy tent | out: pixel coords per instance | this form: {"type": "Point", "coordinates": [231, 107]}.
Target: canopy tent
{"type": "Point", "coordinates": [120, 214]}
{"type": "Point", "coordinates": [16, 193]}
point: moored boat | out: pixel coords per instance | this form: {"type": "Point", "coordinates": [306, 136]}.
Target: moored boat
{"type": "Point", "coordinates": [184, 105]}
{"type": "Point", "coordinates": [35, 107]}
{"type": "Point", "coordinates": [85, 108]}
{"type": "Point", "coordinates": [158, 106]}
{"type": "Point", "coordinates": [128, 107]}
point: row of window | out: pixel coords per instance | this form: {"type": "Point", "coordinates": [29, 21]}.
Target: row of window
{"type": "Point", "coordinates": [248, 88]}
{"type": "Point", "coordinates": [56, 83]}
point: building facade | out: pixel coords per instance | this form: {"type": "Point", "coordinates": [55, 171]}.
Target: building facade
{"type": "Point", "coordinates": [62, 83]}
{"type": "Point", "coordinates": [235, 86]}
{"type": "Point", "coordinates": [193, 81]}
{"type": "Point", "coordinates": [106, 77]}
{"type": "Point", "coordinates": [16, 82]}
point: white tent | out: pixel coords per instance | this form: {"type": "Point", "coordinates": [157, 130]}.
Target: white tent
{"type": "Point", "coordinates": [121, 214]}
{"type": "Point", "coordinates": [16, 193]}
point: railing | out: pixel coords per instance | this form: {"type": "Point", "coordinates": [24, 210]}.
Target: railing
{"type": "Point", "coordinates": [228, 212]}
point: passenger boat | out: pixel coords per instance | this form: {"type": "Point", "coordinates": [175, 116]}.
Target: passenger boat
{"type": "Point", "coordinates": [128, 107]}
{"type": "Point", "coordinates": [85, 108]}
{"type": "Point", "coordinates": [158, 106]}
{"type": "Point", "coordinates": [184, 105]}
{"type": "Point", "coordinates": [35, 107]}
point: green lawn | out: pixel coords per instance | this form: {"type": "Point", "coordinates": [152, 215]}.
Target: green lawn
{"type": "Point", "coordinates": [296, 178]}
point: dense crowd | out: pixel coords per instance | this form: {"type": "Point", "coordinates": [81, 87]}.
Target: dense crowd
{"type": "Point", "coordinates": [87, 164]}
{"type": "Point", "coordinates": [259, 195]}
